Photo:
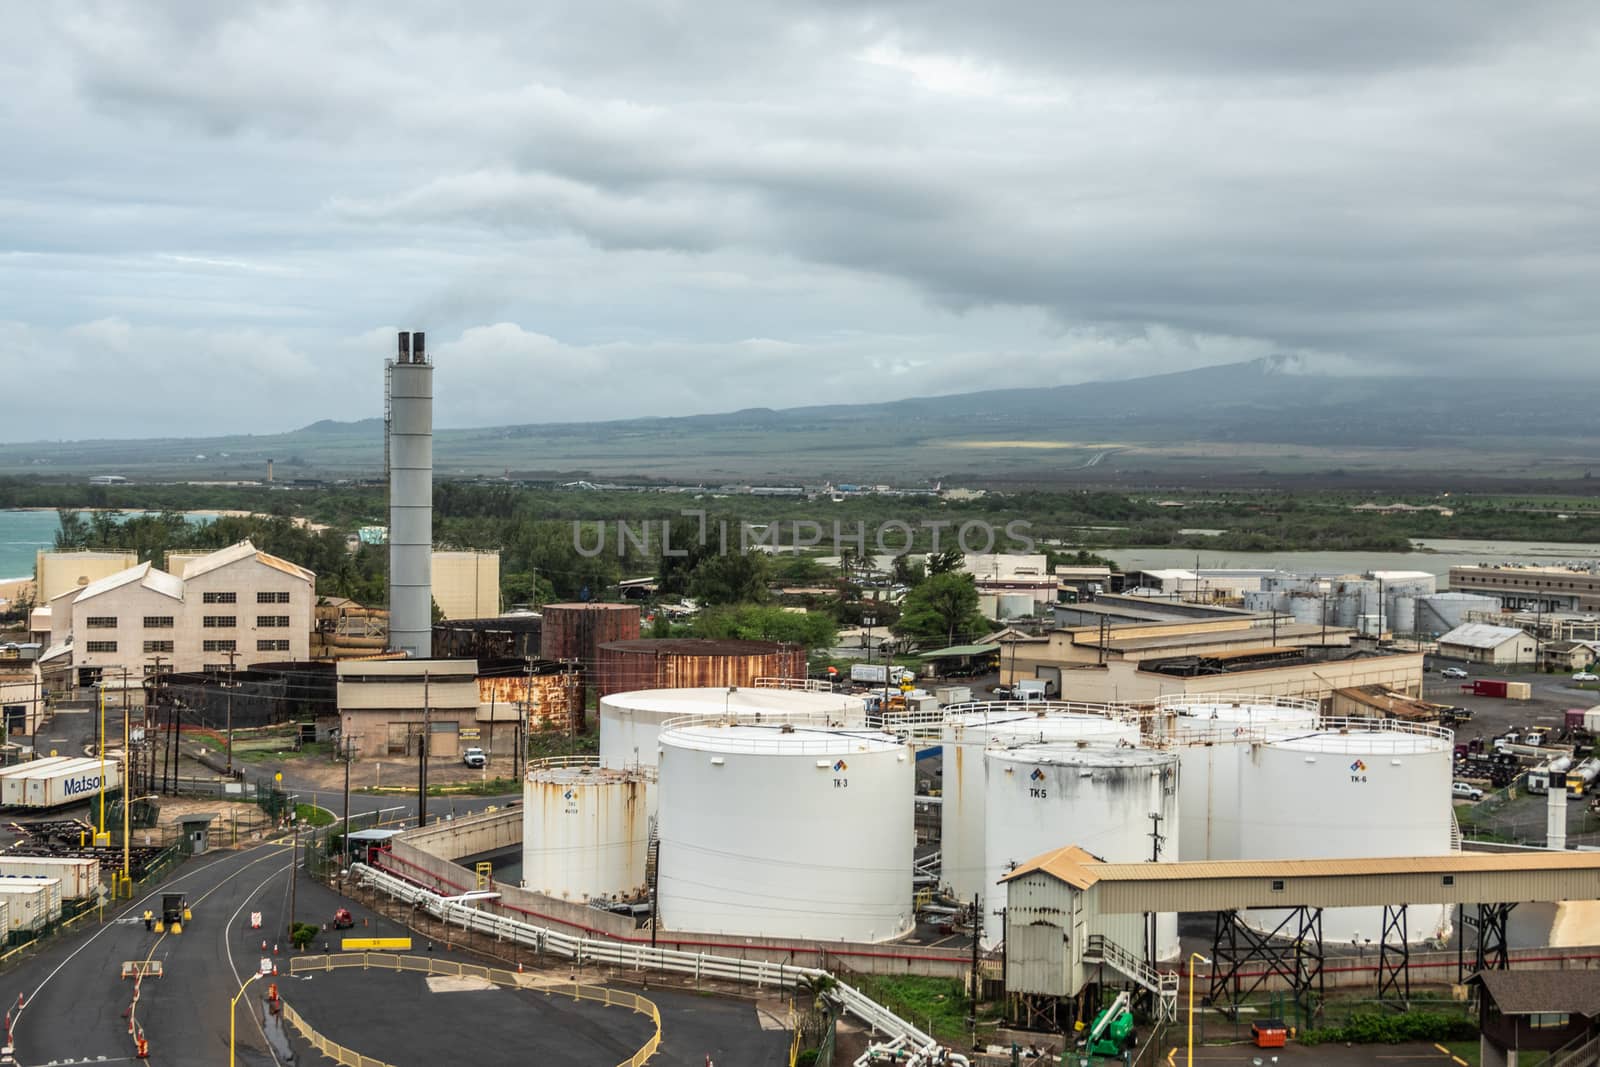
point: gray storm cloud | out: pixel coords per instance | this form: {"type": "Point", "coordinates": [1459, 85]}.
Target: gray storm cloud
{"type": "Point", "coordinates": [616, 210]}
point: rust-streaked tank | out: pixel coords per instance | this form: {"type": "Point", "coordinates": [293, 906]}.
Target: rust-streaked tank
{"type": "Point", "coordinates": [576, 631]}
{"type": "Point", "coordinates": [551, 693]}
{"type": "Point", "coordinates": [682, 663]}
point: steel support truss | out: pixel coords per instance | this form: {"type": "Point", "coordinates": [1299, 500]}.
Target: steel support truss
{"type": "Point", "coordinates": [1394, 959]}
{"type": "Point", "coordinates": [1246, 958]}
{"type": "Point", "coordinates": [1492, 951]}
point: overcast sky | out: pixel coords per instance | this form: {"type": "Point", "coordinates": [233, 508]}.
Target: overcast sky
{"type": "Point", "coordinates": [214, 217]}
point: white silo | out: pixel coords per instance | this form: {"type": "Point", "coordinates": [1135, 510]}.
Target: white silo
{"type": "Point", "coordinates": [967, 729]}
{"type": "Point", "coordinates": [630, 722]}
{"type": "Point", "coordinates": [1212, 736]}
{"type": "Point", "coordinates": [785, 831]}
{"type": "Point", "coordinates": [408, 463]}
{"type": "Point", "coordinates": [1045, 796]}
{"type": "Point", "coordinates": [1355, 788]}
{"type": "Point", "coordinates": [1443, 612]}
{"type": "Point", "coordinates": [584, 830]}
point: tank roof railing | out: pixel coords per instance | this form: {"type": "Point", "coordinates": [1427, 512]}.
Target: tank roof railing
{"type": "Point", "coordinates": [810, 721]}
{"type": "Point", "coordinates": [586, 763]}
{"type": "Point", "coordinates": [1178, 700]}
{"type": "Point", "coordinates": [1330, 729]}
{"type": "Point", "coordinates": [803, 685]}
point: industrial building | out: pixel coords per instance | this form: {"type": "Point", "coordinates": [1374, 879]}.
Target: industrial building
{"type": "Point", "coordinates": [1532, 588]}
{"type": "Point", "coordinates": [1011, 586]}
{"type": "Point", "coordinates": [58, 572]}
{"type": "Point", "coordinates": [236, 600]}
{"type": "Point", "coordinates": [466, 585]}
{"type": "Point", "coordinates": [21, 702]}
{"type": "Point", "coordinates": [384, 703]}
{"type": "Point", "coordinates": [1569, 655]}
{"type": "Point", "coordinates": [1480, 642]}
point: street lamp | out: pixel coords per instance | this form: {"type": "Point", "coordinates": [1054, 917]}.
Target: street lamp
{"type": "Point", "coordinates": [1189, 1057]}
{"type": "Point", "coordinates": [233, 1014]}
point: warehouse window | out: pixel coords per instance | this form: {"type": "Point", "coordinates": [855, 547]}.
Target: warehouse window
{"type": "Point", "coordinates": [219, 598]}
{"type": "Point", "coordinates": [271, 621]}
{"type": "Point", "coordinates": [216, 622]}
{"type": "Point", "coordinates": [158, 646]}
{"type": "Point", "coordinates": [102, 622]}
{"type": "Point", "coordinates": [158, 622]}
{"type": "Point", "coordinates": [272, 645]}
{"type": "Point", "coordinates": [1548, 1020]}
{"type": "Point", "coordinates": [1277, 885]}
{"type": "Point", "coordinates": [218, 646]}
{"type": "Point", "coordinates": [1448, 879]}
{"type": "Point", "coordinates": [101, 646]}
{"type": "Point", "coordinates": [272, 598]}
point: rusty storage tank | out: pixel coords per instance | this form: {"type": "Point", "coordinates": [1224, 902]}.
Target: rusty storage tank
{"type": "Point", "coordinates": [576, 631]}
{"type": "Point", "coordinates": [688, 662]}
{"type": "Point", "coordinates": [550, 691]}
{"type": "Point", "coordinates": [584, 830]}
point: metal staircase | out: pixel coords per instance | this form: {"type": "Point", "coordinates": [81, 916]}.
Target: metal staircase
{"type": "Point", "coordinates": [1164, 984]}
{"type": "Point", "coordinates": [652, 854]}
{"type": "Point", "coordinates": [1584, 1052]}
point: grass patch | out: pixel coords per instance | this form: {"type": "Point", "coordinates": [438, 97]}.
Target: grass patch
{"type": "Point", "coordinates": [254, 754]}
{"type": "Point", "coordinates": [493, 787]}
{"type": "Point", "coordinates": [311, 815]}
{"type": "Point", "coordinates": [1374, 1028]}
{"type": "Point", "coordinates": [938, 1004]}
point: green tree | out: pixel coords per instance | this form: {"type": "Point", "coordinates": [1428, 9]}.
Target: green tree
{"type": "Point", "coordinates": [737, 578]}
{"type": "Point", "coordinates": [943, 609]}
{"type": "Point", "coordinates": [765, 622]}
{"type": "Point", "coordinates": [946, 562]}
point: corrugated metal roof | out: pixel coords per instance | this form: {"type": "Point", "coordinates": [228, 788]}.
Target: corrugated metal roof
{"type": "Point", "coordinates": [113, 581]}
{"type": "Point", "coordinates": [1480, 635]}
{"type": "Point", "coordinates": [1458, 863]}
{"type": "Point", "coordinates": [1070, 864]}
{"type": "Point", "coordinates": [222, 557]}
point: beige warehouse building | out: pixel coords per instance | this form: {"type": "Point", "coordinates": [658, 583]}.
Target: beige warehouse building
{"type": "Point", "coordinates": [237, 600]}
{"type": "Point", "coordinates": [466, 585]}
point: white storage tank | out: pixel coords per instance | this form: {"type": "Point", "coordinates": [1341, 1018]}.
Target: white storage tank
{"type": "Point", "coordinates": [1356, 788]}
{"type": "Point", "coordinates": [1443, 612]}
{"type": "Point", "coordinates": [785, 830]}
{"type": "Point", "coordinates": [32, 902]}
{"type": "Point", "coordinates": [80, 878]}
{"type": "Point", "coordinates": [965, 733]}
{"type": "Point", "coordinates": [1212, 737]}
{"type": "Point", "coordinates": [585, 830]}
{"type": "Point", "coordinates": [1045, 796]}
{"type": "Point", "coordinates": [629, 722]}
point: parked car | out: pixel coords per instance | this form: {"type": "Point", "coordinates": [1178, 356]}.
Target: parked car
{"type": "Point", "coordinates": [1466, 791]}
{"type": "Point", "coordinates": [1454, 672]}
{"type": "Point", "coordinates": [1586, 676]}
{"type": "Point", "coordinates": [474, 758]}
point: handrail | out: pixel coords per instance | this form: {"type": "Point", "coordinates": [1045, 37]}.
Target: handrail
{"type": "Point", "coordinates": [334, 1051]}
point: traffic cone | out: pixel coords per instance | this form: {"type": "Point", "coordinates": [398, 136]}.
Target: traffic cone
{"type": "Point", "coordinates": [519, 966]}
{"type": "Point", "coordinates": [274, 948]}
{"type": "Point", "coordinates": [263, 944]}
{"type": "Point", "coordinates": [274, 970]}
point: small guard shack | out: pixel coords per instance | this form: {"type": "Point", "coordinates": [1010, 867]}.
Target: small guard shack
{"type": "Point", "coordinates": [197, 832]}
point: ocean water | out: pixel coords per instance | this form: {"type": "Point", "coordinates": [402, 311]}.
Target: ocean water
{"type": "Point", "coordinates": [23, 533]}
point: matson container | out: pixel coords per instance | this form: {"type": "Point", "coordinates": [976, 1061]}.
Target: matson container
{"type": "Point", "coordinates": [34, 901]}
{"type": "Point", "coordinates": [78, 780]}
{"type": "Point", "coordinates": [80, 878]}
{"type": "Point", "coordinates": [14, 779]}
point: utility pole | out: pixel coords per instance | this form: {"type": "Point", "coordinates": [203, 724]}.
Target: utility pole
{"type": "Point", "coordinates": [127, 791]}
{"type": "Point", "coordinates": [655, 892]}
{"type": "Point", "coordinates": [228, 686]}
{"type": "Point", "coordinates": [1156, 841]}
{"type": "Point", "coordinates": [422, 758]}
{"type": "Point", "coordinates": [151, 690]}
{"type": "Point", "coordinates": [977, 932]}
{"type": "Point", "coordinates": [345, 741]}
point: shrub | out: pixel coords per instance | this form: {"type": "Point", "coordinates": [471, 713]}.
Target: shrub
{"type": "Point", "coordinates": [1377, 1029]}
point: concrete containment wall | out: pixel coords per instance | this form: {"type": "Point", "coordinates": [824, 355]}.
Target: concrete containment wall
{"type": "Point", "coordinates": [419, 856]}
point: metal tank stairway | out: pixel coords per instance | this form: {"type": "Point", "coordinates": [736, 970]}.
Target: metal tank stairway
{"type": "Point", "coordinates": [1164, 984]}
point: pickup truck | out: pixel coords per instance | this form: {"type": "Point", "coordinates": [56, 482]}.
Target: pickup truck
{"type": "Point", "coordinates": [474, 758]}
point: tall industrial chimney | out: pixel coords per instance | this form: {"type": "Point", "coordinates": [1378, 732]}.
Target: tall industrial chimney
{"type": "Point", "coordinates": [409, 414]}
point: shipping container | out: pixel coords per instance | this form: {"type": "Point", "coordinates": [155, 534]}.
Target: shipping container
{"type": "Point", "coordinates": [1591, 720]}
{"type": "Point", "coordinates": [1486, 687]}
{"type": "Point", "coordinates": [13, 780]}
{"type": "Point", "coordinates": [953, 694]}
{"type": "Point", "coordinates": [870, 673]}
{"type": "Point", "coordinates": [1519, 691]}
{"type": "Point", "coordinates": [77, 780]}
{"type": "Point", "coordinates": [80, 878]}
{"type": "Point", "coordinates": [33, 901]}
